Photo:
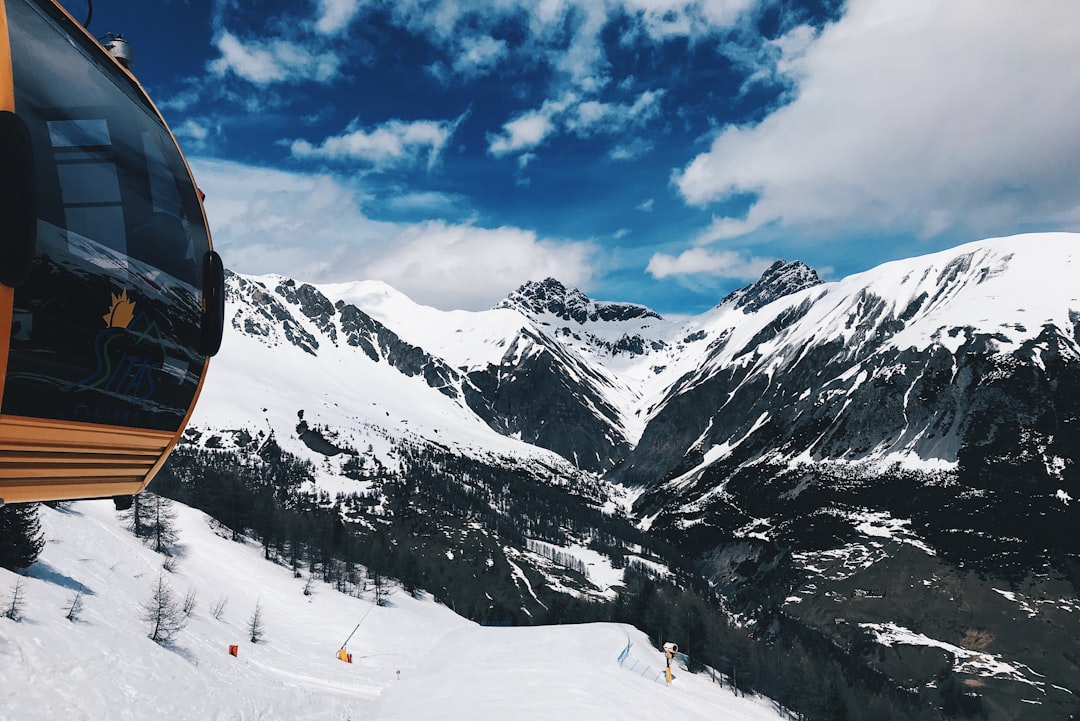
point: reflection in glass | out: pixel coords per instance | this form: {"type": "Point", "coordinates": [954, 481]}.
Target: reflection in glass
{"type": "Point", "coordinates": [108, 326]}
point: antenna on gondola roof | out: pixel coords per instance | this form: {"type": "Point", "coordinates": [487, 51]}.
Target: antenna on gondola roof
{"type": "Point", "coordinates": [119, 49]}
{"type": "Point", "coordinates": [113, 42]}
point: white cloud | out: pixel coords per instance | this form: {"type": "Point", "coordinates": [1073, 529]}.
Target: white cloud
{"type": "Point", "coordinates": [584, 118]}
{"type": "Point", "coordinates": [464, 266]}
{"type": "Point", "coordinates": [425, 202]}
{"type": "Point", "coordinates": [661, 19]}
{"type": "Point", "coordinates": [390, 144]}
{"type": "Point", "coordinates": [522, 133]}
{"type": "Point", "coordinates": [703, 261]}
{"type": "Point", "coordinates": [529, 129]}
{"type": "Point", "coordinates": [192, 130]}
{"type": "Point", "coordinates": [590, 117]}
{"type": "Point", "coordinates": [197, 134]}
{"type": "Point", "coordinates": [311, 227]}
{"type": "Point", "coordinates": [631, 149]}
{"type": "Point", "coordinates": [264, 62]}
{"type": "Point", "coordinates": [771, 63]}
{"type": "Point", "coordinates": [582, 60]}
{"type": "Point", "coordinates": [335, 15]}
{"type": "Point", "coordinates": [918, 116]}
{"type": "Point", "coordinates": [478, 54]}
{"type": "Point", "coordinates": [564, 36]}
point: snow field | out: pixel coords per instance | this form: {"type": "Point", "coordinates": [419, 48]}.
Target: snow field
{"type": "Point", "coordinates": [103, 666]}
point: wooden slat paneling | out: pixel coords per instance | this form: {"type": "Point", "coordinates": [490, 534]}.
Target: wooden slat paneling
{"type": "Point", "coordinates": [50, 460]}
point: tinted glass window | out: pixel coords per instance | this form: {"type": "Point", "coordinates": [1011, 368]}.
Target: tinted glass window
{"type": "Point", "coordinates": [107, 328]}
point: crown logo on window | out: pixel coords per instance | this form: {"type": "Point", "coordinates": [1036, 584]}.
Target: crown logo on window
{"type": "Point", "coordinates": [122, 311]}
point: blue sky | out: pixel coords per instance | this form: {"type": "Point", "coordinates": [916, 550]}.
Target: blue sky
{"type": "Point", "coordinates": [656, 151]}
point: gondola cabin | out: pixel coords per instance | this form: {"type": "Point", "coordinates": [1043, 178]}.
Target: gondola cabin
{"type": "Point", "coordinates": [108, 283]}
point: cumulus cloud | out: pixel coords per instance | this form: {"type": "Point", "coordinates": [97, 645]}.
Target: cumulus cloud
{"type": "Point", "coordinates": [390, 144]}
{"type": "Point", "coordinates": [918, 116]}
{"type": "Point", "coordinates": [465, 266]}
{"type": "Point", "coordinates": [273, 221]}
{"type": "Point", "coordinates": [312, 227]}
{"type": "Point", "coordinates": [268, 61]}
{"type": "Point", "coordinates": [706, 261]}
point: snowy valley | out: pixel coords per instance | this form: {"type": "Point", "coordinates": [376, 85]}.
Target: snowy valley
{"type": "Point", "coordinates": [877, 473]}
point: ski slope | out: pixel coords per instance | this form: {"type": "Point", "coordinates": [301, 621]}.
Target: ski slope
{"type": "Point", "coordinates": [103, 666]}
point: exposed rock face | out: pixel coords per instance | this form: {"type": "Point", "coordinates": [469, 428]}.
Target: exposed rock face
{"type": "Point", "coordinates": [551, 296]}
{"type": "Point", "coordinates": [312, 304]}
{"type": "Point", "coordinates": [781, 279]}
{"type": "Point", "coordinates": [545, 396]}
{"type": "Point", "coordinates": [269, 314]}
{"type": "Point", "coordinates": [262, 313]}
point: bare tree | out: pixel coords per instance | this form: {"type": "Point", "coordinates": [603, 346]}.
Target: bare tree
{"type": "Point", "coordinates": [18, 600]}
{"type": "Point", "coordinates": [218, 609]}
{"type": "Point", "coordinates": [190, 601]}
{"type": "Point", "coordinates": [137, 515]}
{"type": "Point", "coordinates": [164, 614]}
{"type": "Point", "coordinates": [255, 624]}
{"type": "Point", "coordinates": [75, 608]}
{"type": "Point", "coordinates": [153, 519]}
{"type": "Point", "coordinates": [163, 533]}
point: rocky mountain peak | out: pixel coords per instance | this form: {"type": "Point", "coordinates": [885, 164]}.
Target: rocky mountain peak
{"type": "Point", "coordinates": [782, 278]}
{"type": "Point", "coordinates": [570, 304]}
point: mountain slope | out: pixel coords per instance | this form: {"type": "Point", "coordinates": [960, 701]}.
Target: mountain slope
{"type": "Point", "coordinates": [880, 366]}
{"type": "Point", "coordinates": [858, 455]}
{"type": "Point", "coordinates": [406, 656]}
{"type": "Point", "coordinates": [295, 356]}
{"type": "Point", "coordinates": [938, 364]}
{"type": "Point", "coordinates": [910, 430]}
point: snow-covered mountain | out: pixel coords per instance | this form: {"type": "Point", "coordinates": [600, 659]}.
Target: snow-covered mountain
{"type": "Point", "coordinates": [880, 368]}
{"type": "Point", "coordinates": [906, 431]}
{"type": "Point", "coordinates": [410, 659]}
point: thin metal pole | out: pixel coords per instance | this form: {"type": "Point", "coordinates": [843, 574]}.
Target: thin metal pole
{"type": "Point", "coordinates": [350, 637]}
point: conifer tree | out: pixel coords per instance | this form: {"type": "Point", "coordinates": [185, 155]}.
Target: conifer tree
{"type": "Point", "coordinates": [21, 538]}
{"type": "Point", "coordinates": [18, 600]}
{"type": "Point", "coordinates": [255, 624]}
